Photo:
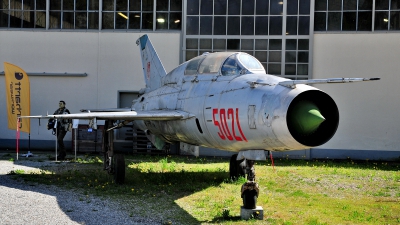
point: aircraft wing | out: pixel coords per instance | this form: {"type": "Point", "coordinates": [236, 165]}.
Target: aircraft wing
{"type": "Point", "coordinates": [292, 83]}
{"type": "Point", "coordinates": [118, 115]}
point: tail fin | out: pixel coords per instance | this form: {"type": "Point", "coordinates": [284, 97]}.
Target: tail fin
{"type": "Point", "coordinates": [153, 69]}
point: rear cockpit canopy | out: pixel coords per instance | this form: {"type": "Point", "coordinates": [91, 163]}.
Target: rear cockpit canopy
{"type": "Point", "coordinates": [224, 63]}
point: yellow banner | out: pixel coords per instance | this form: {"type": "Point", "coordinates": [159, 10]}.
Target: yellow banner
{"type": "Point", "coordinates": [18, 97]}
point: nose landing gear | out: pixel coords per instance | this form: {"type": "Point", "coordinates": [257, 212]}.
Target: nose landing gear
{"type": "Point", "coordinates": [250, 189]}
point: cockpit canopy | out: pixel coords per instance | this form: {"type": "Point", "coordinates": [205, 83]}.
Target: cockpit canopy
{"type": "Point", "coordinates": [224, 63]}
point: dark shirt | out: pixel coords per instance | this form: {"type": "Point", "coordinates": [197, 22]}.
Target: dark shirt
{"type": "Point", "coordinates": [62, 122]}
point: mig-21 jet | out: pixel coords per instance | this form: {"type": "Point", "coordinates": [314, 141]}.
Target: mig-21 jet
{"type": "Point", "coordinates": [221, 100]}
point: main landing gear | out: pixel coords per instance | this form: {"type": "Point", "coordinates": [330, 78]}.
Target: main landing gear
{"type": "Point", "coordinates": [113, 163]}
{"type": "Point", "coordinates": [250, 189]}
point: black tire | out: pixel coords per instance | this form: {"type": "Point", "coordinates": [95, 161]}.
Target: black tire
{"type": "Point", "coordinates": [249, 199]}
{"type": "Point", "coordinates": [236, 168]}
{"type": "Point", "coordinates": [119, 169]}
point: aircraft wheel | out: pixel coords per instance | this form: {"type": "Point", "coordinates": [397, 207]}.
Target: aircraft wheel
{"type": "Point", "coordinates": [119, 168]}
{"type": "Point", "coordinates": [236, 168]}
{"type": "Point", "coordinates": [249, 199]}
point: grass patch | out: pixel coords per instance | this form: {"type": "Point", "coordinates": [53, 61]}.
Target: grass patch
{"type": "Point", "coordinates": [188, 190]}
{"type": "Point", "coordinates": [15, 172]}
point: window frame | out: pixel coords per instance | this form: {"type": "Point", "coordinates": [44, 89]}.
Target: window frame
{"type": "Point", "coordinates": [55, 18]}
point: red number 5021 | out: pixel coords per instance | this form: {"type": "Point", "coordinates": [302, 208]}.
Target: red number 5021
{"type": "Point", "coordinates": [226, 124]}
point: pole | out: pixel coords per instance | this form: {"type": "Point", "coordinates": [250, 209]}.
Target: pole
{"type": "Point", "coordinates": [17, 137]}
{"type": "Point", "coordinates": [56, 136]}
{"type": "Point", "coordinates": [75, 141]}
{"type": "Point", "coordinates": [75, 125]}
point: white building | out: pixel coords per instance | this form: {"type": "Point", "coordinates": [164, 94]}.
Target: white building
{"type": "Point", "coordinates": [85, 54]}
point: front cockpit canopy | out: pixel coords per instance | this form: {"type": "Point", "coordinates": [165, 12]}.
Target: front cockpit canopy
{"type": "Point", "coordinates": [224, 63]}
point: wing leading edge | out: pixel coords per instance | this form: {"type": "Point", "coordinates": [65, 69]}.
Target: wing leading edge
{"type": "Point", "coordinates": [292, 83]}
{"type": "Point", "coordinates": [117, 115]}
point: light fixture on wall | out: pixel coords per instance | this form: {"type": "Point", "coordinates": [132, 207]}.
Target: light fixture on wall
{"type": "Point", "coordinates": [123, 15]}
{"type": "Point", "coordinates": [160, 20]}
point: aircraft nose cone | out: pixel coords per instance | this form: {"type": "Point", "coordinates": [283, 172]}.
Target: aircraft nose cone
{"type": "Point", "coordinates": [306, 117]}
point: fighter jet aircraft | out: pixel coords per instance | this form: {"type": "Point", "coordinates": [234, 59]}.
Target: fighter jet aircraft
{"type": "Point", "coordinates": [221, 100]}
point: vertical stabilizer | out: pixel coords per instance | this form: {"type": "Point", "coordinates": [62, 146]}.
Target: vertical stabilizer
{"type": "Point", "coordinates": [153, 69]}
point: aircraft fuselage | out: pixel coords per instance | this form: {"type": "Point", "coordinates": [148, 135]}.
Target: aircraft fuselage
{"type": "Point", "coordinates": [241, 112]}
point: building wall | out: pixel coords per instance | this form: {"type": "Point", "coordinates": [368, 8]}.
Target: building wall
{"type": "Point", "coordinates": [368, 110]}
{"type": "Point", "coordinates": [110, 59]}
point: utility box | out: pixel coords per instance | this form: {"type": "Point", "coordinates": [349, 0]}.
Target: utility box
{"type": "Point", "coordinates": [88, 140]}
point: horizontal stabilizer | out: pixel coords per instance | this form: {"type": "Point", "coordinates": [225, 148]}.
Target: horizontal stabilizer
{"type": "Point", "coordinates": [292, 83]}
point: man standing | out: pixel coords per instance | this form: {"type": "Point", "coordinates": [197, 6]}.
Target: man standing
{"type": "Point", "coordinates": [63, 125]}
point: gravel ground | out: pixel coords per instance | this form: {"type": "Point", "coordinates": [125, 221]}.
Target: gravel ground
{"type": "Point", "coordinates": [23, 203]}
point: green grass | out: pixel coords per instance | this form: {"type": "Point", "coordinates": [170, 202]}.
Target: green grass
{"type": "Point", "coordinates": [188, 190]}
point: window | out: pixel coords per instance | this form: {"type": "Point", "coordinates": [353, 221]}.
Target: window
{"type": "Point", "coordinates": [268, 51]}
{"type": "Point", "coordinates": [23, 13]}
{"type": "Point", "coordinates": [244, 17]}
{"type": "Point", "coordinates": [85, 14]}
{"type": "Point", "coordinates": [298, 17]}
{"type": "Point", "coordinates": [168, 15]}
{"type": "Point", "coordinates": [356, 15]}
{"type": "Point", "coordinates": [212, 63]}
{"type": "Point", "coordinates": [387, 15]}
{"type": "Point", "coordinates": [124, 14]}
{"type": "Point", "coordinates": [193, 65]}
{"type": "Point", "coordinates": [346, 15]}
{"type": "Point", "coordinates": [231, 67]}
{"type": "Point", "coordinates": [250, 62]}
{"type": "Point", "coordinates": [297, 57]}
{"type": "Point", "coordinates": [139, 14]}
{"type": "Point", "coordinates": [74, 14]}
{"type": "Point", "coordinates": [255, 27]}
